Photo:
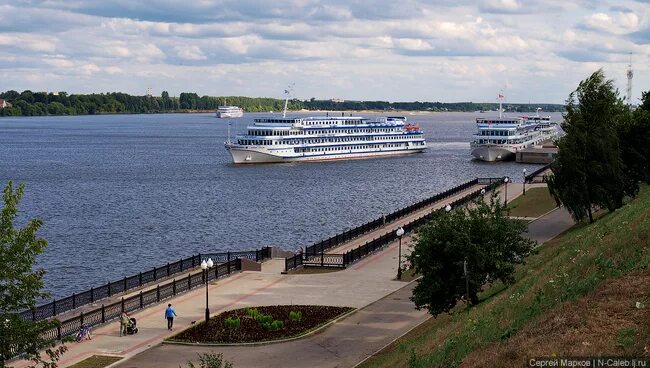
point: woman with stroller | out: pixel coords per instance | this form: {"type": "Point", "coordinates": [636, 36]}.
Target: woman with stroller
{"type": "Point", "coordinates": [125, 320]}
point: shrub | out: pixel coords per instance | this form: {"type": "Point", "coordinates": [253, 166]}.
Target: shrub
{"type": "Point", "coordinates": [231, 322]}
{"type": "Point", "coordinates": [210, 360]}
{"type": "Point", "coordinates": [264, 318]}
{"type": "Point", "coordinates": [295, 316]}
{"type": "Point", "coordinates": [273, 325]}
{"type": "Point", "coordinates": [252, 312]}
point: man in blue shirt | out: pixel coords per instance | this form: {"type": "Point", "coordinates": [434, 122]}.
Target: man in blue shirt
{"type": "Point", "coordinates": [170, 313]}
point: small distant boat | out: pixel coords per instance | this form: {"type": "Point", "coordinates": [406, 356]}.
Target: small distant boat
{"type": "Point", "coordinates": [225, 111]}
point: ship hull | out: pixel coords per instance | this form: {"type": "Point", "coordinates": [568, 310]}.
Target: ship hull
{"type": "Point", "coordinates": [492, 153]}
{"type": "Point", "coordinates": [258, 156]}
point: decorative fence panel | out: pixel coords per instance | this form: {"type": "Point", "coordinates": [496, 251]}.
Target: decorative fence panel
{"type": "Point", "coordinates": [135, 281]}
{"type": "Point", "coordinates": [530, 177]}
{"type": "Point", "coordinates": [347, 235]}
{"type": "Point", "coordinates": [316, 256]}
{"type": "Point", "coordinates": [106, 313]}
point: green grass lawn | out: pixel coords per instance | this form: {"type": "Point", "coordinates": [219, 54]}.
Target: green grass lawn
{"type": "Point", "coordinates": [535, 203]}
{"type": "Point", "coordinates": [96, 361]}
{"type": "Point", "coordinates": [566, 270]}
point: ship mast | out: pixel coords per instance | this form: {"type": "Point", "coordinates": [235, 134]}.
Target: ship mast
{"type": "Point", "coordinates": [287, 93]}
{"type": "Point", "coordinates": [500, 102]}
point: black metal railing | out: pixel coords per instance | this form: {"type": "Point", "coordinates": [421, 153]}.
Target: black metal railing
{"type": "Point", "coordinates": [76, 300]}
{"type": "Point", "coordinates": [106, 313]}
{"type": "Point", "coordinates": [347, 235]}
{"type": "Point", "coordinates": [343, 260]}
{"type": "Point", "coordinates": [530, 177]}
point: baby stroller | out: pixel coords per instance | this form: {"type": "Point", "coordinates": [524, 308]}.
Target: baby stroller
{"type": "Point", "coordinates": [132, 328]}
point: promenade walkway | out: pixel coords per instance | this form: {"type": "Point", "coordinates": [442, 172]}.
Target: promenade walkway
{"type": "Point", "coordinates": [394, 225]}
{"type": "Point", "coordinates": [368, 281]}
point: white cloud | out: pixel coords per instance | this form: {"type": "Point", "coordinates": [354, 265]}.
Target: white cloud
{"type": "Point", "coordinates": [188, 52]}
{"type": "Point", "coordinates": [376, 49]}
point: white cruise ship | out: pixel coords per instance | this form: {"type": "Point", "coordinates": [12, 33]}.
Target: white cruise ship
{"type": "Point", "coordinates": [498, 139]}
{"type": "Point", "coordinates": [287, 139]}
{"type": "Point", "coordinates": [226, 111]}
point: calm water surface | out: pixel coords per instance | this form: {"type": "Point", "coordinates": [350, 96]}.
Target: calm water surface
{"type": "Point", "coordinates": [122, 193]}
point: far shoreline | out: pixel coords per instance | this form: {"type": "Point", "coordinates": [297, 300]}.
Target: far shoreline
{"type": "Point", "coordinates": [333, 112]}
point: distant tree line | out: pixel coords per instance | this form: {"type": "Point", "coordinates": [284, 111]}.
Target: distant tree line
{"type": "Point", "coordinates": [28, 103]}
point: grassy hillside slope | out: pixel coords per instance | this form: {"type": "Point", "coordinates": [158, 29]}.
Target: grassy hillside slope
{"type": "Point", "coordinates": [576, 297]}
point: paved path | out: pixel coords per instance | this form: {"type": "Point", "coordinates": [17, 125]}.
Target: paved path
{"type": "Point", "coordinates": [365, 282]}
{"type": "Point", "coordinates": [342, 345]}
{"type": "Point", "coordinates": [550, 225]}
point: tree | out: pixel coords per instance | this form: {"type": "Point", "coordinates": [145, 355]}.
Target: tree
{"type": "Point", "coordinates": [634, 137]}
{"type": "Point", "coordinates": [20, 285]}
{"type": "Point", "coordinates": [588, 171]}
{"type": "Point", "coordinates": [481, 235]}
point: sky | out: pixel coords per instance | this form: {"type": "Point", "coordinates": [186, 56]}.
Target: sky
{"type": "Point", "coordinates": [392, 50]}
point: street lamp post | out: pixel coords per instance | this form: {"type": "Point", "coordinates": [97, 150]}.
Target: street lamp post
{"type": "Point", "coordinates": [205, 266]}
{"type": "Point", "coordinates": [524, 171]}
{"type": "Point", "coordinates": [399, 234]}
{"type": "Point", "coordinates": [447, 208]}
{"type": "Point", "coordinates": [506, 180]}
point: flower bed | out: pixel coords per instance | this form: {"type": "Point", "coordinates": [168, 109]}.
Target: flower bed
{"type": "Point", "coordinates": [254, 329]}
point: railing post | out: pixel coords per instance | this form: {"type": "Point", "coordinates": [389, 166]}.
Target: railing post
{"type": "Point", "coordinates": [54, 307]}
{"type": "Point", "coordinates": [108, 285]}
{"type": "Point", "coordinates": [189, 281]}
{"type": "Point", "coordinates": [158, 292]}
{"type": "Point", "coordinates": [174, 287]}
{"type": "Point", "coordinates": [92, 294]}
{"type": "Point", "coordinates": [74, 300]}
{"type": "Point", "coordinates": [228, 259]}
{"type": "Point", "coordinates": [256, 255]}
{"type": "Point", "coordinates": [141, 300]}
{"type": "Point", "coordinates": [58, 332]}
{"type": "Point", "coordinates": [286, 264]}
{"type": "Point", "coordinates": [81, 317]}
{"type": "Point", "coordinates": [322, 259]}
{"type": "Point", "coordinates": [103, 314]}
{"type": "Point", "coordinates": [228, 263]}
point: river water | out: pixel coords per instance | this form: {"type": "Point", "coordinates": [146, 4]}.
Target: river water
{"type": "Point", "coordinates": [123, 193]}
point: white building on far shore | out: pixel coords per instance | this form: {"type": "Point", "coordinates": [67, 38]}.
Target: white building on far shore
{"type": "Point", "coordinates": [4, 103]}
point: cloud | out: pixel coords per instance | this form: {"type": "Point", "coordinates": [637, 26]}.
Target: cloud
{"type": "Point", "coordinates": [379, 49]}
{"type": "Point", "coordinates": [618, 23]}
{"type": "Point", "coordinates": [187, 52]}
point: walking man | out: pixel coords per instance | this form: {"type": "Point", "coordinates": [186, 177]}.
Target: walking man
{"type": "Point", "coordinates": [170, 313]}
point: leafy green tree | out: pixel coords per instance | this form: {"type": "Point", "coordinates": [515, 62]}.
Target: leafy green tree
{"type": "Point", "coordinates": [588, 171]}
{"type": "Point", "coordinates": [20, 285]}
{"type": "Point", "coordinates": [56, 108]}
{"type": "Point", "coordinates": [481, 235]}
{"type": "Point", "coordinates": [634, 136]}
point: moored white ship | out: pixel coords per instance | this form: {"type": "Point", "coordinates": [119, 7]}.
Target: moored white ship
{"type": "Point", "coordinates": [498, 139]}
{"type": "Point", "coordinates": [290, 139]}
